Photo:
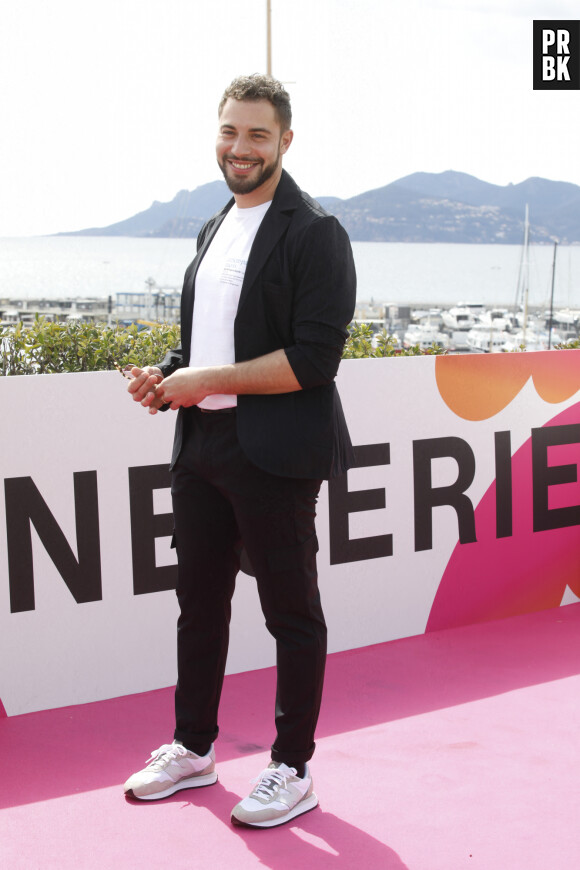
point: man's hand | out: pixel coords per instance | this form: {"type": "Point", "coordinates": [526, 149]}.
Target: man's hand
{"type": "Point", "coordinates": [144, 386]}
{"type": "Point", "coordinates": [265, 375]}
{"type": "Point", "coordinates": [184, 388]}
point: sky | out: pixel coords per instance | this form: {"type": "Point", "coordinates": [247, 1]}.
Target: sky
{"type": "Point", "coordinates": [108, 105]}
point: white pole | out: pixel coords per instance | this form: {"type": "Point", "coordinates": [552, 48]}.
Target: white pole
{"type": "Point", "coordinates": [526, 274]}
{"type": "Point", "coordinates": [269, 37]}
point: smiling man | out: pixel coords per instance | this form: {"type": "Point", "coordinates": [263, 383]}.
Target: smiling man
{"type": "Point", "coordinates": [249, 150]}
{"type": "Point", "coordinates": [265, 308]}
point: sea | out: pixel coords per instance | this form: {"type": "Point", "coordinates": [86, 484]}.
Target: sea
{"type": "Point", "coordinates": [52, 267]}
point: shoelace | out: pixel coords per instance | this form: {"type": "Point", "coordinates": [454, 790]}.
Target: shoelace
{"type": "Point", "coordinates": [167, 752]}
{"type": "Point", "coordinates": [270, 780]}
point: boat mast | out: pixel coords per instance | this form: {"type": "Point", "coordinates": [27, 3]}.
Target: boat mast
{"type": "Point", "coordinates": [552, 298]}
{"type": "Point", "coordinates": [525, 276]}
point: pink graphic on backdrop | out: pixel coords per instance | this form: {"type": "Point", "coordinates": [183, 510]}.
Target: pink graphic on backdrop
{"type": "Point", "coordinates": [528, 571]}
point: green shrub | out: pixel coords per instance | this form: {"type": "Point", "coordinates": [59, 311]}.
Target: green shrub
{"type": "Point", "coordinates": [573, 344]}
{"type": "Point", "coordinates": [359, 345]}
{"type": "Point", "coordinates": [51, 348]}
{"type": "Point", "coordinates": [44, 347]}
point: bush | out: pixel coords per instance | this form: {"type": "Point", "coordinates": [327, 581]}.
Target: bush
{"type": "Point", "coordinates": [573, 344]}
{"type": "Point", "coordinates": [44, 347]}
{"type": "Point", "coordinates": [51, 348]}
{"type": "Point", "coordinates": [359, 345]}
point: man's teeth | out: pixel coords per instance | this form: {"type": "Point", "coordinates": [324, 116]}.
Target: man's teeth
{"type": "Point", "coordinates": [241, 165]}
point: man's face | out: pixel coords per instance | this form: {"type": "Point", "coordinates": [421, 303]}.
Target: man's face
{"type": "Point", "coordinates": [249, 148]}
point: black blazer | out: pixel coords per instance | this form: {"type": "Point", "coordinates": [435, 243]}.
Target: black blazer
{"type": "Point", "coordinates": [298, 294]}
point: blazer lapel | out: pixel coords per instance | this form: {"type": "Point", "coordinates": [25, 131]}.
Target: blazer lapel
{"type": "Point", "coordinates": [272, 227]}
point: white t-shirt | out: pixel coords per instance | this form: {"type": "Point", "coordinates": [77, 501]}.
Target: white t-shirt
{"type": "Point", "coordinates": [218, 284]}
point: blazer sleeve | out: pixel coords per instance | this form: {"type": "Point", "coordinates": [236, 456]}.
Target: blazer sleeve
{"type": "Point", "coordinates": [324, 300]}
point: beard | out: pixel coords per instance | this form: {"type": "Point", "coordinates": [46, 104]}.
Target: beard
{"type": "Point", "coordinates": [248, 185]}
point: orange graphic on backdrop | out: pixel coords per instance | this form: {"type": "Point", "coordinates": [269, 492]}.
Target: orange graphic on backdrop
{"type": "Point", "coordinates": [479, 386]}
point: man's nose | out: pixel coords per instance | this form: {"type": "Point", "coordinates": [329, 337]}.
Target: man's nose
{"type": "Point", "coordinates": [241, 146]}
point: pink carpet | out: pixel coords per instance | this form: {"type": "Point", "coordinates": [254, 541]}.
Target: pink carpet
{"type": "Point", "coordinates": [455, 749]}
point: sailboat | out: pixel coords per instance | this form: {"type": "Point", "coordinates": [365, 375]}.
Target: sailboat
{"type": "Point", "coordinates": [531, 335]}
{"type": "Point", "coordinates": [523, 286]}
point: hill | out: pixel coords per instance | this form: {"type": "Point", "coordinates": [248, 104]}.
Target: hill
{"type": "Point", "coordinates": [422, 207]}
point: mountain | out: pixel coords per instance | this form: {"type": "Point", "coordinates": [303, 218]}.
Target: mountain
{"type": "Point", "coordinates": [183, 217]}
{"type": "Point", "coordinates": [423, 207]}
{"type": "Point", "coordinates": [455, 207]}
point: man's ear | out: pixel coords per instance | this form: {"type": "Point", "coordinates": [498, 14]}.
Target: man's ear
{"type": "Point", "coordinates": [285, 141]}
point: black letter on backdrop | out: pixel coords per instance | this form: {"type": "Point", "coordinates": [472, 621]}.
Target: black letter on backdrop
{"type": "Point", "coordinates": [545, 476]}
{"type": "Point", "coordinates": [503, 485]}
{"type": "Point", "coordinates": [146, 526]}
{"type": "Point", "coordinates": [427, 497]}
{"type": "Point", "coordinates": [341, 503]}
{"type": "Point", "coordinates": [25, 505]}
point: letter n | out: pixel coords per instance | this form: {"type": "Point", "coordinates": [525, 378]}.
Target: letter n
{"type": "Point", "coordinates": [25, 505]}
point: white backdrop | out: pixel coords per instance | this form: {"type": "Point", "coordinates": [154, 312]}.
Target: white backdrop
{"type": "Point", "coordinates": [55, 651]}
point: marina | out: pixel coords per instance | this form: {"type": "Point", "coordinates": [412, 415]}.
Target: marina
{"type": "Point", "coordinates": [467, 327]}
{"type": "Point", "coordinates": [419, 293]}
{"type": "Point", "coordinates": [475, 329]}
{"type": "Point", "coordinates": [153, 305]}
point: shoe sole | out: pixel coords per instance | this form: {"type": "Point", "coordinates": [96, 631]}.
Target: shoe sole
{"type": "Point", "coordinates": [304, 806]}
{"type": "Point", "coordinates": [191, 782]}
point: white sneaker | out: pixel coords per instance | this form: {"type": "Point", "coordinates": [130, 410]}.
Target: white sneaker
{"type": "Point", "coordinates": [279, 796]}
{"type": "Point", "coordinates": [170, 768]}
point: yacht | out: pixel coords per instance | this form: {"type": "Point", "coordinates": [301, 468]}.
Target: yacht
{"type": "Point", "coordinates": [482, 339]}
{"type": "Point", "coordinates": [460, 317]}
{"type": "Point", "coordinates": [497, 318]}
{"type": "Point", "coordinates": [532, 339]}
{"type": "Point", "coordinates": [424, 335]}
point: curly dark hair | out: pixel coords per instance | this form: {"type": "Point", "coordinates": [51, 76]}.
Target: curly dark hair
{"type": "Point", "coordinates": [261, 87]}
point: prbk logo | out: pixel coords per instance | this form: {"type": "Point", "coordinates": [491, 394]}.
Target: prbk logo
{"type": "Point", "coordinates": [557, 55]}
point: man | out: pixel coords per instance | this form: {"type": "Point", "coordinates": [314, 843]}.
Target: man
{"type": "Point", "coordinates": [265, 307]}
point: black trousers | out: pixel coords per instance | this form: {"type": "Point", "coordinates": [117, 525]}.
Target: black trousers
{"type": "Point", "coordinates": [222, 501]}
